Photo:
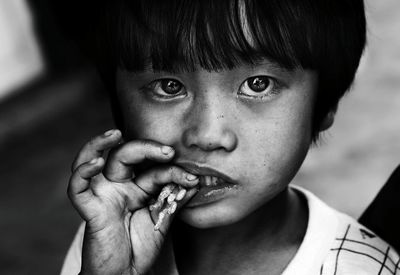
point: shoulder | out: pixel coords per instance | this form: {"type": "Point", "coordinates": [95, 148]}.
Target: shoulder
{"type": "Point", "coordinates": [358, 250]}
{"type": "Point", "coordinates": [341, 245]}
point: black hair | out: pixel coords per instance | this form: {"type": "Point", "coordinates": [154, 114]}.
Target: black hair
{"type": "Point", "coordinates": [327, 36]}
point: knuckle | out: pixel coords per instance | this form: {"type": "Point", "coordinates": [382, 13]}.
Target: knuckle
{"type": "Point", "coordinates": [172, 171]}
{"type": "Point", "coordinates": [99, 184]}
{"type": "Point", "coordinates": [158, 176]}
{"type": "Point", "coordinates": [112, 153]}
{"type": "Point", "coordinates": [149, 146]}
{"type": "Point", "coordinates": [118, 153]}
{"type": "Point", "coordinates": [83, 171]}
{"type": "Point", "coordinates": [79, 171]}
{"type": "Point", "coordinates": [177, 174]}
{"type": "Point", "coordinates": [138, 145]}
{"type": "Point", "coordinates": [161, 175]}
{"type": "Point", "coordinates": [91, 143]}
{"type": "Point", "coordinates": [147, 149]}
{"type": "Point", "coordinates": [73, 166]}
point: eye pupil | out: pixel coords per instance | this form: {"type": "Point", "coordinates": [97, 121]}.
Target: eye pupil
{"type": "Point", "coordinates": [258, 83]}
{"type": "Point", "coordinates": [171, 86]}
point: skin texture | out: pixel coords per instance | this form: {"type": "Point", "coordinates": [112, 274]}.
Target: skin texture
{"type": "Point", "coordinates": [119, 233]}
{"type": "Point", "coordinates": [258, 137]}
{"type": "Point", "coordinates": [260, 143]}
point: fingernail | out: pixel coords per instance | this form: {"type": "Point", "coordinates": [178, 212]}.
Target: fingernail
{"type": "Point", "coordinates": [166, 150]}
{"type": "Point", "coordinates": [109, 133]}
{"type": "Point", "coordinates": [191, 177]}
{"type": "Point", "coordinates": [94, 161]}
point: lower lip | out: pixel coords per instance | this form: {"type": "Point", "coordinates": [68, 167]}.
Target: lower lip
{"type": "Point", "coordinates": [210, 194]}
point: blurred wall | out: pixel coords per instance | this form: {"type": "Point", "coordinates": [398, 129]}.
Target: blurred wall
{"type": "Point", "coordinates": [357, 155]}
{"type": "Point", "coordinates": [43, 127]}
{"type": "Point", "coordinates": [20, 58]}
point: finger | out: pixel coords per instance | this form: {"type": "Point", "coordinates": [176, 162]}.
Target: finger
{"type": "Point", "coordinates": [119, 165]}
{"type": "Point", "coordinates": [95, 147]}
{"type": "Point", "coordinates": [80, 179]}
{"type": "Point", "coordinates": [166, 179]}
{"type": "Point", "coordinates": [152, 181]}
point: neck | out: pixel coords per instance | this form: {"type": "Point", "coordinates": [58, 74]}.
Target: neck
{"type": "Point", "coordinates": [276, 226]}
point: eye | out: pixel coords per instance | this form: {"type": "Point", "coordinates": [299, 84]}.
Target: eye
{"type": "Point", "coordinates": [259, 87]}
{"type": "Point", "coordinates": [171, 86]}
{"type": "Point", "coordinates": [165, 88]}
{"type": "Point", "coordinates": [258, 83]}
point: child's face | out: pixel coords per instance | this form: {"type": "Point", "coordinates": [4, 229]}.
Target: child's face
{"type": "Point", "coordinates": [252, 123]}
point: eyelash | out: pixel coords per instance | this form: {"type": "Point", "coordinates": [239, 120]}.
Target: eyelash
{"type": "Point", "coordinates": [152, 86]}
{"type": "Point", "coordinates": [276, 87]}
{"type": "Point", "coordinates": [274, 90]}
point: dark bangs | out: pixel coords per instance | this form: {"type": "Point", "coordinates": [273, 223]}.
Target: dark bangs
{"type": "Point", "coordinates": [179, 35]}
{"type": "Point", "coordinates": [327, 36]}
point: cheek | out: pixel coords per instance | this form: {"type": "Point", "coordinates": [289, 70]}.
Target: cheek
{"type": "Point", "coordinates": [145, 122]}
{"type": "Point", "coordinates": [280, 141]}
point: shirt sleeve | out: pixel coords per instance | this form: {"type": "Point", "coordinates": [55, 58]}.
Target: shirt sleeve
{"type": "Point", "coordinates": [72, 262]}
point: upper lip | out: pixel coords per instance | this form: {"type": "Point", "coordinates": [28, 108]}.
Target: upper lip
{"type": "Point", "coordinates": [203, 170]}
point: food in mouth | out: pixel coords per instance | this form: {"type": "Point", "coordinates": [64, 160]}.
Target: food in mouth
{"type": "Point", "coordinates": [167, 202]}
{"type": "Point", "coordinates": [171, 194]}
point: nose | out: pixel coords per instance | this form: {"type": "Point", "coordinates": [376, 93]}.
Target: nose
{"type": "Point", "coordinates": [209, 126]}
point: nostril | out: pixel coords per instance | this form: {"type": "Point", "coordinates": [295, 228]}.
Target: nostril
{"type": "Point", "coordinates": [211, 146]}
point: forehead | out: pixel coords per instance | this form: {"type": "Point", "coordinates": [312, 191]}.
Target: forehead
{"type": "Point", "coordinates": [261, 63]}
{"type": "Point", "coordinates": [215, 35]}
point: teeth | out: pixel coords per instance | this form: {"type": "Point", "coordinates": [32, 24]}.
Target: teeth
{"type": "Point", "coordinates": [210, 180]}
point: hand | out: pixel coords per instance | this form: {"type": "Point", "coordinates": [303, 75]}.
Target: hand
{"type": "Point", "coordinates": [119, 233]}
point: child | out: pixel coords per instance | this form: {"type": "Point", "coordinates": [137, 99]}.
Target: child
{"type": "Point", "coordinates": [217, 103]}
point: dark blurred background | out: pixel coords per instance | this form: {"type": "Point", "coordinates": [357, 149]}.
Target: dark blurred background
{"type": "Point", "coordinates": [52, 102]}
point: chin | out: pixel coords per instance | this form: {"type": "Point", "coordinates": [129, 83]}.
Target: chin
{"type": "Point", "coordinates": [209, 217]}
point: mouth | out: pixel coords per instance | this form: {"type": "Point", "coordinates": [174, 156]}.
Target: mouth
{"type": "Point", "coordinates": [214, 185]}
{"type": "Point", "coordinates": [207, 175]}
{"type": "Point", "coordinates": [210, 181]}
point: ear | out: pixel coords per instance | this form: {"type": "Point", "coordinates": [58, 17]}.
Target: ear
{"type": "Point", "coordinates": [328, 121]}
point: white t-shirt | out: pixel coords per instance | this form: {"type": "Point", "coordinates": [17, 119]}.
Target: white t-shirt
{"type": "Point", "coordinates": [334, 244]}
